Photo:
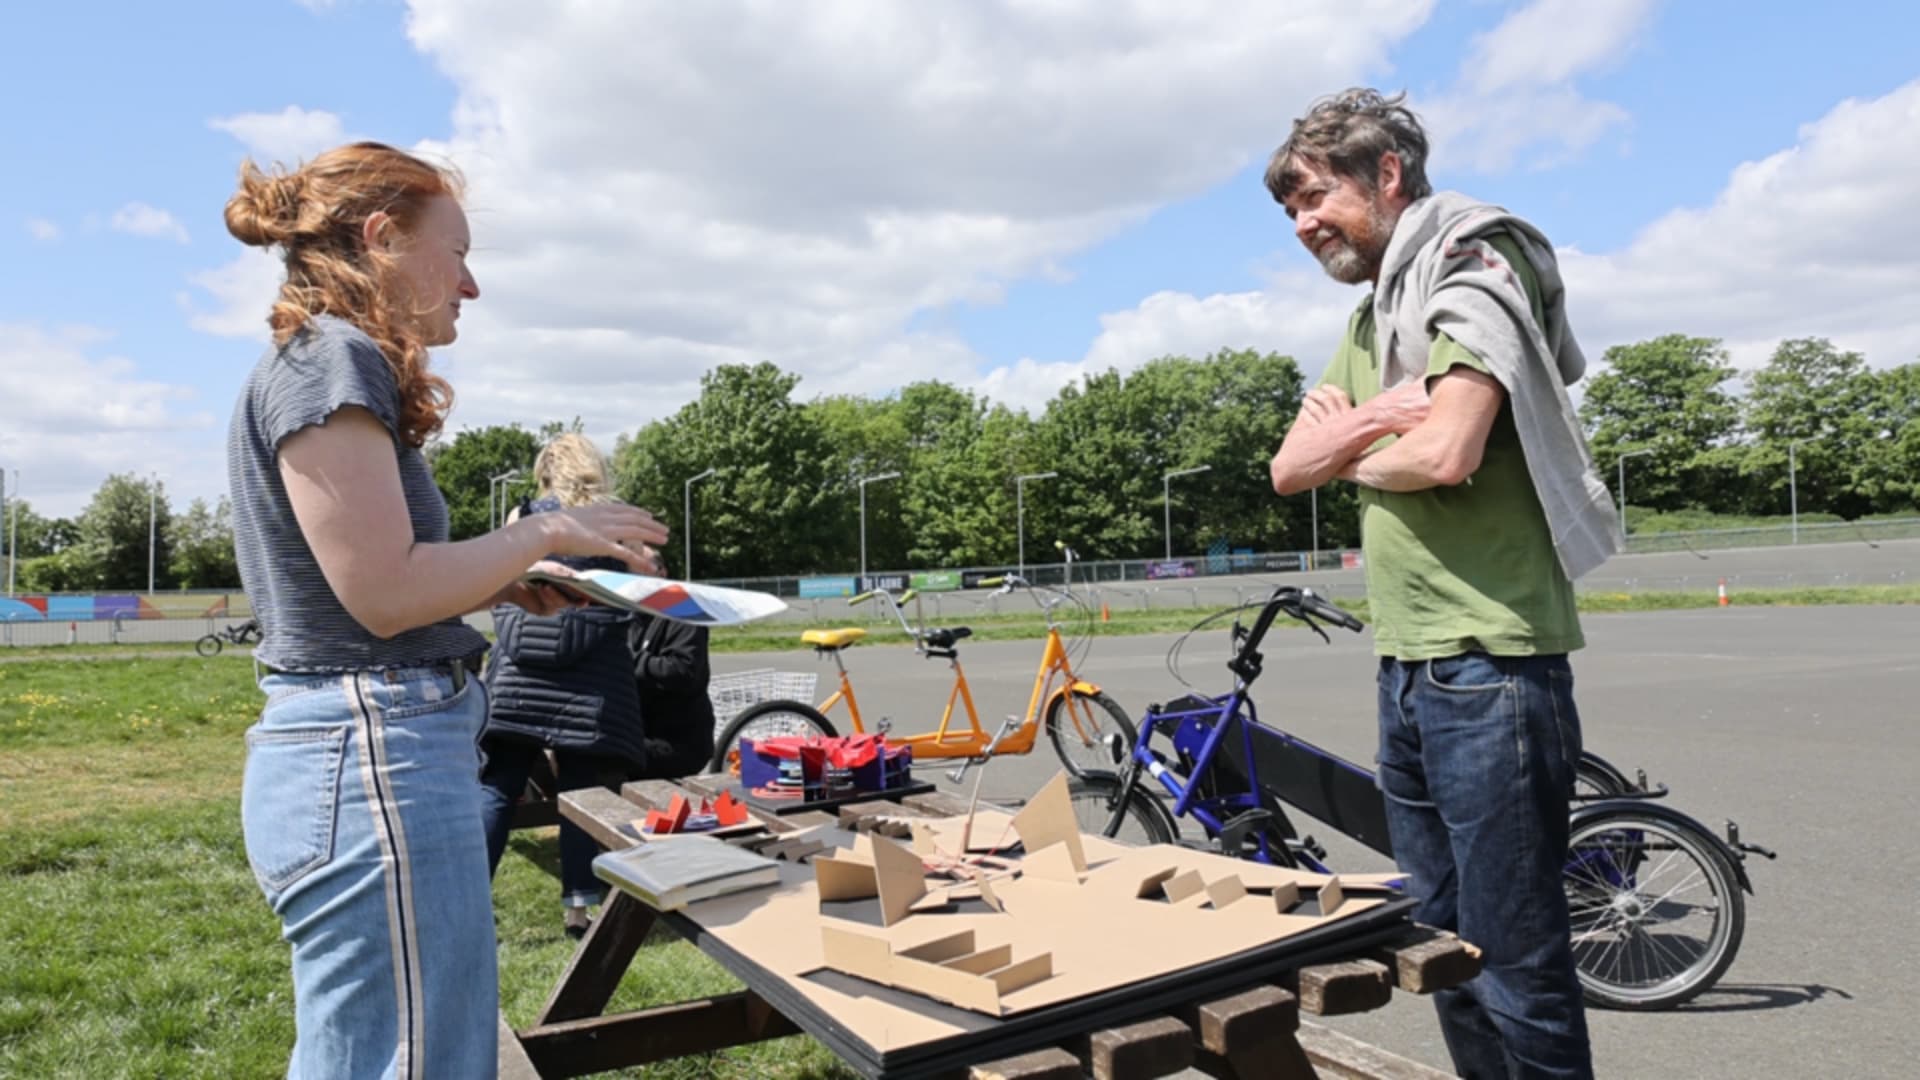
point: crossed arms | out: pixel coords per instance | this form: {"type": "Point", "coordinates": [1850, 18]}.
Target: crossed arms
{"type": "Point", "coordinates": [1442, 423]}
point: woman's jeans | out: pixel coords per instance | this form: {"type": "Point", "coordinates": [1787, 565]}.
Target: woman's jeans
{"type": "Point", "coordinates": [503, 778]}
{"type": "Point", "coordinates": [361, 809]}
{"type": "Point", "coordinates": [1477, 757]}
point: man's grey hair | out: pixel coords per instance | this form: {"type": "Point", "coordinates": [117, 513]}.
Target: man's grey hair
{"type": "Point", "coordinates": [1347, 134]}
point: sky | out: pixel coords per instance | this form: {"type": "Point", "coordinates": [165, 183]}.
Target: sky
{"type": "Point", "coordinates": [1002, 195]}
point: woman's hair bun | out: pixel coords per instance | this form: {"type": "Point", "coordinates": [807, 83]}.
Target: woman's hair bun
{"type": "Point", "coordinates": [266, 209]}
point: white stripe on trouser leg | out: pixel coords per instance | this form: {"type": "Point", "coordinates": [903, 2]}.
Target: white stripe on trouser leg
{"type": "Point", "coordinates": [392, 838]}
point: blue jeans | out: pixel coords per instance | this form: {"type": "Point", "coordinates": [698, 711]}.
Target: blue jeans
{"type": "Point", "coordinates": [1477, 757]}
{"type": "Point", "coordinates": [361, 811]}
{"type": "Point", "coordinates": [503, 778]}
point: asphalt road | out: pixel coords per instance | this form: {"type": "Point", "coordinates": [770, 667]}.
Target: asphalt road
{"type": "Point", "coordinates": [1801, 724]}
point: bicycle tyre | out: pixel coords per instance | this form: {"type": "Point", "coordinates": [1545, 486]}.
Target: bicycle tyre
{"type": "Point", "coordinates": [1656, 912]}
{"type": "Point", "coordinates": [208, 645]}
{"type": "Point", "coordinates": [1596, 778]}
{"type": "Point", "coordinates": [1064, 730]}
{"type": "Point", "coordinates": [1142, 820]}
{"type": "Point", "coordinates": [767, 719]}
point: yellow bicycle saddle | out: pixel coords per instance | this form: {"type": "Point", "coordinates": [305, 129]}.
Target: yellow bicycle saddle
{"type": "Point", "coordinates": [833, 639]}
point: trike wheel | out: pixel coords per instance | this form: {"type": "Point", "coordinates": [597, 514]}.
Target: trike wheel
{"type": "Point", "coordinates": [1080, 725]}
{"type": "Point", "coordinates": [1656, 912]}
{"type": "Point", "coordinates": [1139, 820]}
{"type": "Point", "coordinates": [1596, 778]}
{"type": "Point", "coordinates": [208, 646]}
{"type": "Point", "coordinates": [767, 720]}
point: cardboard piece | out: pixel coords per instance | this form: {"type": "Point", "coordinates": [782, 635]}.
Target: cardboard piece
{"type": "Point", "coordinates": [1222, 892]}
{"type": "Point", "coordinates": [1181, 886]}
{"type": "Point", "coordinates": [989, 897]}
{"type": "Point", "coordinates": [1331, 895]}
{"type": "Point", "coordinates": [923, 842]}
{"type": "Point", "coordinates": [1055, 863]}
{"type": "Point", "coordinates": [948, 968]}
{"type": "Point", "coordinates": [672, 819]}
{"type": "Point", "coordinates": [729, 811]}
{"type": "Point", "coordinates": [895, 875]}
{"type": "Point", "coordinates": [1048, 820]}
{"type": "Point", "coordinates": [1285, 897]}
{"type": "Point", "coordinates": [1149, 886]}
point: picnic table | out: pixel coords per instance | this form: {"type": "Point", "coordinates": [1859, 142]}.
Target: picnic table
{"type": "Point", "coordinates": [1251, 1031]}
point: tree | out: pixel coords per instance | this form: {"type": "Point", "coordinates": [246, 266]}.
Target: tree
{"type": "Point", "coordinates": [464, 470]}
{"type": "Point", "coordinates": [1813, 394]}
{"type": "Point", "coordinates": [202, 542]}
{"type": "Point", "coordinates": [1887, 473]}
{"type": "Point", "coordinates": [774, 505]}
{"type": "Point", "coordinates": [36, 535]}
{"type": "Point", "coordinates": [1668, 395]}
{"type": "Point", "coordinates": [113, 547]}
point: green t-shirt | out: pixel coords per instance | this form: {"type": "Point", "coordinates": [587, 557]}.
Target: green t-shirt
{"type": "Point", "coordinates": [1465, 568]}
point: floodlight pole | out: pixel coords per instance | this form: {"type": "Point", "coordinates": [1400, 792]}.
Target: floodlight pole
{"type": "Point", "coordinates": [1166, 498]}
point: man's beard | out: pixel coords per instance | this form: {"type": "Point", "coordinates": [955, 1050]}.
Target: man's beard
{"type": "Point", "coordinates": [1354, 259]}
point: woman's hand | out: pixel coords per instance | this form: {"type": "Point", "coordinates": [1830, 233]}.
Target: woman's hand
{"type": "Point", "coordinates": [608, 530]}
{"type": "Point", "coordinates": [539, 599]}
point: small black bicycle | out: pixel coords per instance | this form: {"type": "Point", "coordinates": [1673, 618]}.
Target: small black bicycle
{"type": "Point", "coordinates": [242, 634]}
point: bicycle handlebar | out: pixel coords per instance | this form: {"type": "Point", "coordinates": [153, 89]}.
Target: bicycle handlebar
{"type": "Point", "coordinates": [861, 598]}
{"type": "Point", "coordinates": [1300, 603]}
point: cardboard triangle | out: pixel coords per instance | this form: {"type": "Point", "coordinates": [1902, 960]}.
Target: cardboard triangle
{"type": "Point", "coordinates": [1181, 886]}
{"type": "Point", "coordinates": [1225, 891]}
{"type": "Point", "coordinates": [989, 897]}
{"type": "Point", "coordinates": [1055, 863]}
{"type": "Point", "coordinates": [1285, 897]}
{"type": "Point", "coordinates": [923, 841]}
{"type": "Point", "coordinates": [1331, 895]}
{"type": "Point", "coordinates": [840, 879]}
{"type": "Point", "coordinates": [901, 879]}
{"type": "Point", "coordinates": [1048, 820]}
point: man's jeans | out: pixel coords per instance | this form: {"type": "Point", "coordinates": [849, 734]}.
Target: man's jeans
{"type": "Point", "coordinates": [361, 811]}
{"type": "Point", "coordinates": [1477, 757]}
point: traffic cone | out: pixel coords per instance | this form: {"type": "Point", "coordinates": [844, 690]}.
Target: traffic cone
{"type": "Point", "coordinates": [1723, 592]}
{"type": "Point", "coordinates": [1105, 614]}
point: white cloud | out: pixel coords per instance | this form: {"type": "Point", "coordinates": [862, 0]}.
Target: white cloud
{"type": "Point", "coordinates": [98, 416]}
{"type": "Point", "coordinates": [656, 189]}
{"type": "Point", "coordinates": [42, 230]}
{"type": "Point", "coordinates": [243, 291]}
{"type": "Point", "coordinates": [1813, 241]}
{"type": "Point", "coordinates": [1816, 240]}
{"type": "Point", "coordinates": [139, 219]}
{"type": "Point", "coordinates": [1514, 97]}
{"type": "Point", "coordinates": [289, 136]}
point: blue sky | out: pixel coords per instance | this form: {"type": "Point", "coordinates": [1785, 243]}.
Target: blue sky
{"type": "Point", "coordinates": [1001, 197]}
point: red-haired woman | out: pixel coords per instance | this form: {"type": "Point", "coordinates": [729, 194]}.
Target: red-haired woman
{"type": "Point", "coordinates": [361, 801]}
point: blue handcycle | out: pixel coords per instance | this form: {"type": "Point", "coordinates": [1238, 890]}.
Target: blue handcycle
{"type": "Point", "coordinates": [1657, 900]}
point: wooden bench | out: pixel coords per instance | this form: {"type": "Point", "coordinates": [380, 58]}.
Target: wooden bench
{"type": "Point", "coordinates": [1255, 1031]}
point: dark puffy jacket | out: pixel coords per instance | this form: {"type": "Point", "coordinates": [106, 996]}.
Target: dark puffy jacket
{"type": "Point", "coordinates": [670, 671]}
{"type": "Point", "coordinates": [565, 681]}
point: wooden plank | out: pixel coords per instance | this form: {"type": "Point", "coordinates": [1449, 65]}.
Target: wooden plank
{"type": "Point", "coordinates": [1337, 1055]}
{"type": "Point", "coordinates": [514, 1064]}
{"type": "Point", "coordinates": [1052, 1063]}
{"type": "Point", "coordinates": [1423, 960]}
{"type": "Point", "coordinates": [656, 794]}
{"type": "Point", "coordinates": [601, 813]}
{"type": "Point", "coordinates": [602, 1043]}
{"type": "Point", "coordinates": [1348, 987]}
{"type": "Point", "coordinates": [709, 785]}
{"type": "Point", "coordinates": [602, 958]}
{"type": "Point", "coordinates": [853, 815]}
{"type": "Point", "coordinates": [1138, 1051]}
{"type": "Point", "coordinates": [807, 819]}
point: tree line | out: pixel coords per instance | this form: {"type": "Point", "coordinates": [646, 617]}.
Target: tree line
{"type": "Point", "coordinates": [784, 496]}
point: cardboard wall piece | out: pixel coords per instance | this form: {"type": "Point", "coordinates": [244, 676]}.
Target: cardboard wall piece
{"type": "Point", "coordinates": [1048, 820]}
{"type": "Point", "coordinates": [1055, 863]}
{"type": "Point", "coordinates": [1149, 887]}
{"type": "Point", "coordinates": [1331, 895]}
{"type": "Point", "coordinates": [949, 968]}
{"type": "Point", "coordinates": [1180, 886]}
{"type": "Point", "coordinates": [1286, 897]}
{"type": "Point", "coordinates": [1224, 891]}
{"type": "Point", "coordinates": [895, 875]}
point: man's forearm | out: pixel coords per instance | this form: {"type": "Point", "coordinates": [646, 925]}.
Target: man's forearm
{"type": "Point", "coordinates": [1414, 462]}
{"type": "Point", "coordinates": [1314, 453]}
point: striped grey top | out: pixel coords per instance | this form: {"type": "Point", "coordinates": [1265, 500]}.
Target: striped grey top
{"type": "Point", "coordinates": [329, 366]}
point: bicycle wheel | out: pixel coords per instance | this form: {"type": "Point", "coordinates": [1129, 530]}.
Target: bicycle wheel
{"type": "Point", "coordinates": [208, 646]}
{"type": "Point", "coordinates": [1079, 725]}
{"type": "Point", "coordinates": [1596, 778]}
{"type": "Point", "coordinates": [1141, 820]}
{"type": "Point", "coordinates": [767, 720]}
{"type": "Point", "coordinates": [1656, 912]}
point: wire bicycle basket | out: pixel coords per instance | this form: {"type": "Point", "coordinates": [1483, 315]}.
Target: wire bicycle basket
{"type": "Point", "coordinates": [736, 692]}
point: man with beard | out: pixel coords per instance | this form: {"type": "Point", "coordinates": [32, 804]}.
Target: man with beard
{"type": "Point", "coordinates": [1446, 403]}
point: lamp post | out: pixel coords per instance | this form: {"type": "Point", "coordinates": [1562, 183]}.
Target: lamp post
{"type": "Point", "coordinates": [13, 544]}
{"type": "Point", "coordinates": [1020, 513]}
{"type": "Point", "coordinates": [1622, 463]}
{"type": "Point", "coordinates": [153, 494]}
{"type": "Point", "coordinates": [686, 520]}
{"type": "Point", "coordinates": [498, 483]}
{"type": "Point", "coordinates": [1166, 498]}
{"type": "Point", "coordinates": [864, 481]}
{"type": "Point", "coordinates": [1793, 485]}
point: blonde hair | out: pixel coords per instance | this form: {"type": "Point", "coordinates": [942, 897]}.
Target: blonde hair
{"type": "Point", "coordinates": [572, 469]}
{"type": "Point", "coordinates": [315, 215]}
